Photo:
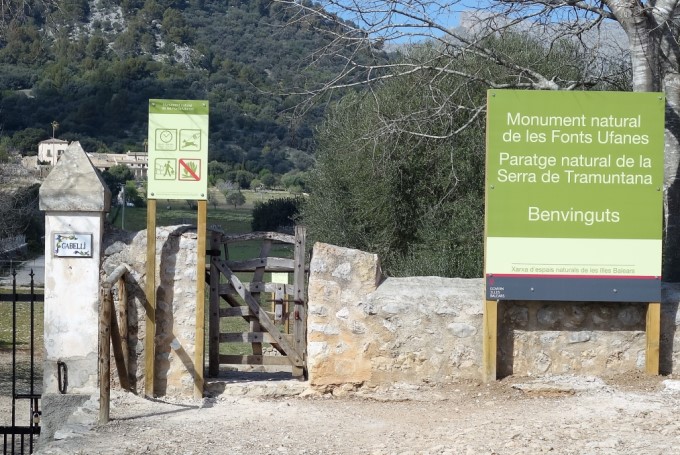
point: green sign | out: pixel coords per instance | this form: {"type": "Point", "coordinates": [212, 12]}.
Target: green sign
{"type": "Point", "coordinates": [178, 149]}
{"type": "Point", "coordinates": [574, 189]}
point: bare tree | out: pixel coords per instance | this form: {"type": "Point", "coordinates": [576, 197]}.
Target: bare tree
{"type": "Point", "coordinates": [17, 208]}
{"type": "Point", "coordinates": [643, 32]}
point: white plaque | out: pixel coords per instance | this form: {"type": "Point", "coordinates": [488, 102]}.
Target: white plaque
{"type": "Point", "coordinates": [70, 245]}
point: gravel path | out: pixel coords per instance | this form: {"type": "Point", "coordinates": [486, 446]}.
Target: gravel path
{"type": "Point", "coordinates": [556, 415]}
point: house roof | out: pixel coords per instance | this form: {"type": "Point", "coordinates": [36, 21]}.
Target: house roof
{"type": "Point", "coordinates": [53, 140]}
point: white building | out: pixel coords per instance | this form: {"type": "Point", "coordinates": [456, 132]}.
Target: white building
{"type": "Point", "coordinates": [50, 150]}
{"type": "Point", "coordinates": [138, 162]}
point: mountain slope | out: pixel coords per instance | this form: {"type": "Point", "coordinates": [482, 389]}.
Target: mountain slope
{"type": "Point", "coordinates": [92, 66]}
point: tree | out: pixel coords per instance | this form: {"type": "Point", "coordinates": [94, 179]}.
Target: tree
{"type": "Point", "coordinates": [19, 213]}
{"type": "Point", "coordinates": [117, 176]}
{"type": "Point", "coordinates": [132, 194]}
{"type": "Point", "coordinates": [275, 214]}
{"type": "Point", "coordinates": [417, 201]}
{"type": "Point", "coordinates": [236, 198]}
{"type": "Point", "coordinates": [644, 32]}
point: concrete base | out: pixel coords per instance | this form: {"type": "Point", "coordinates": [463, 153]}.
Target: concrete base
{"type": "Point", "coordinates": [61, 413]}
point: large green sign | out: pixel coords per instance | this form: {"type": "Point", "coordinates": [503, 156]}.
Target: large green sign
{"type": "Point", "coordinates": [178, 149]}
{"type": "Point", "coordinates": [574, 190]}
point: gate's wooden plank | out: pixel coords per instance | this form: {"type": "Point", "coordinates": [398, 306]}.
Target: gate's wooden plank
{"type": "Point", "coordinates": [225, 289]}
{"type": "Point", "coordinates": [299, 306]}
{"type": "Point", "coordinates": [246, 337]}
{"type": "Point", "coordinates": [22, 297]}
{"type": "Point", "coordinates": [270, 264]}
{"type": "Point", "coordinates": [253, 360]}
{"type": "Point", "coordinates": [251, 337]}
{"type": "Point", "coordinates": [243, 311]}
{"type": "Point", "coordinates": [258, 276]}
{"type": "Point", "coordinates": [214, 323]}
{"type": "Point", "coordinates": [294, 355]}
{"type": "Point", "coordinates": [259, 235]}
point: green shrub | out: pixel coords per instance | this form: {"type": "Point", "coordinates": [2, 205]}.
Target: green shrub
{"type": "Point", "coordinates": [275, 214]}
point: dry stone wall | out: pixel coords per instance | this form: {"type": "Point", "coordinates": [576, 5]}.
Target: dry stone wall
{"type": "Point", "coordinates": [429, 329]}
{"type": "Point", "coordinates": [175, 304]}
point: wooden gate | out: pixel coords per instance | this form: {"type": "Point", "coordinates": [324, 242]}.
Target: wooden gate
{"type": "Point", "coordinates": [276, 313]}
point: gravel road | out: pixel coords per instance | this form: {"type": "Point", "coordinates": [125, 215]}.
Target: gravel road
{"type": "Point", "coordinates": [632, 414]}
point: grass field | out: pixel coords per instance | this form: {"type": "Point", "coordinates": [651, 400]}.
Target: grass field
{"type": "Point", "coordinates": [173, 212]}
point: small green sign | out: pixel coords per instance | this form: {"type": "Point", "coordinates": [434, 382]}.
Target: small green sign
{"type": "Point", "coordinates": [178, 149]}
{"type": "Point", "coordinates": [574, 184]}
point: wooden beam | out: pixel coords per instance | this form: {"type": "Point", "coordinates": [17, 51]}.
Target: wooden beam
{"type": "Point", "coordinates": [235, 311]}
{"type": "Point", "coordinates": [653, 332]}
{"type": "Point", "coordinates": [250, 337]}
{"type": "Point", "coordinates": [225, 289]}
{"type": "Point", "coordinates": [268, 264]}
{"type": "Point", "coordinates": [259, 235]}
{"type": "Point", "coordinates": [124, 330]}
{"type": "Point", "coordinates": [150, 337]}
{"type": "Point", "coordinates": [258, 276]}
{"type": "Point", "coordinates": [214, 323]}
{"type": "Point", "coordinates": [490, 340]}
{"type": "Point", "coordinates": [299, 301]}
{"type": "Point", "coordinates": [199, 355]}
{"type": "Point", "coordinates": [253, 360]}
{"type": "Point", "coordinates": [104, 354]}
{"type": "Point", "coordinates": [116, 341]}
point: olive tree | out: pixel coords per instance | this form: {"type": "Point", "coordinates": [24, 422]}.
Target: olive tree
{"type": "Point", "coordinates": [400, 168]}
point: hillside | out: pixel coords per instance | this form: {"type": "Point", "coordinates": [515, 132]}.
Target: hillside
{"type": "Point", "coordinates": [92, 65]}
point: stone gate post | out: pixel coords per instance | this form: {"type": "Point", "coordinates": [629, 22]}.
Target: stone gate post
{"type": "Point", "coordinates": [75, 201]}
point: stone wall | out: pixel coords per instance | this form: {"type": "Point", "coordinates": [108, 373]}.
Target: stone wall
{"type": "Point", "coordinates": [175, 305]}
{"type": "Point", "coordinates": [429, 329]}
{"type": "Point", "coordinates": [366, 330]}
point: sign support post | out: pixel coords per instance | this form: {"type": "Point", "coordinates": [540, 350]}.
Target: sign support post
{"type": "Point", "coordinates": [490, 334]}
{"type": "Point", "coordinates": [653, 337]}
{"type": "Point", "coordinates": [150, 337]}
{"type": "Point", "coordinates": [199, 359]}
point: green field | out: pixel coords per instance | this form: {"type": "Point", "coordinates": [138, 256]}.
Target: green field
{"type": "Point", "coordinates": [23, 324]}
{"type": "Point", "coordinates": [174, 212]}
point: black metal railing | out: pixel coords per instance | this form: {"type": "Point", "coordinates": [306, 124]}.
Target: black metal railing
{"type": "Point", "coordinates": [18, 438]}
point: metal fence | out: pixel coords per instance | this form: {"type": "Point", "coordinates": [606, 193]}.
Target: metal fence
{"type": "Point", "coordinates": [18, 437]}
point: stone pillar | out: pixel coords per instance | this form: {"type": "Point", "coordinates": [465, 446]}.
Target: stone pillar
{"type": "Point", "coordinates": [75, 200]}
{"type": "Point", "coordinates": [337, 338]}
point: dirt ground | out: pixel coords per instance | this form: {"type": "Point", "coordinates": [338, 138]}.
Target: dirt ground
{"type": "Point", "coordinates": [631, 414]}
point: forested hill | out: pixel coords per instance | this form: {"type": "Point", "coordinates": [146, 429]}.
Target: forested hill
{"type": "Point", "coordinates": [92, 65]}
